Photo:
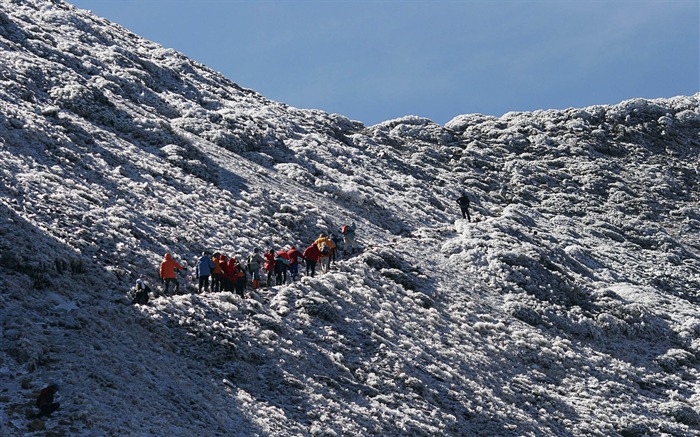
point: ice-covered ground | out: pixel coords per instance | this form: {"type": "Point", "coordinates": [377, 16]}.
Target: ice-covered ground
{"type": "Point", "coordinates": [568, 306]}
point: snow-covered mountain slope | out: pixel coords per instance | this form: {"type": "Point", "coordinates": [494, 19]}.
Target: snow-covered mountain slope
{"type": "Point", "coordinates": [569, 306]}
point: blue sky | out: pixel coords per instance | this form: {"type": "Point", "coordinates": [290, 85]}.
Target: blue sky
{"type": "Point", "coordinates": [377, 60]}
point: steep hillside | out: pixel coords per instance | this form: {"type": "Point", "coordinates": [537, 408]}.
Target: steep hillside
{"type": "Point", "coordinates": [568, 306]}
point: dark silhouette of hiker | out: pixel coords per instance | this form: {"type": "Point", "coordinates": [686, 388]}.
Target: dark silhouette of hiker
{"type": "Point", "coordinates": [45, 401]}
{"type": "Point", "coordinates": [241, 280]}
{"type": "Point", "coordinates": [463, 202]}
{"type": "Point", "coordinates": [140, 292]}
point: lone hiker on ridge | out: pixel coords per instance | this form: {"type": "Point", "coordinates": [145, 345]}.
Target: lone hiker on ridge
{"type": "Point", "coordinates": [463, 202]}
{"type": "Point", "coordinates": [45, 402]}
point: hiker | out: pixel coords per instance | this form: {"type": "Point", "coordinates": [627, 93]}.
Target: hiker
{"type": "Point", "coordinates": [225, 275]}
{"type": "Point", "coordinates": [168, 269]}
{"type": "Point", "coordinates": [204, 268]}
{"type": "Point", "coordinates": [240, 278]}
{"type": "Point", "coordinates": [230, 273]}
{"type": "Point", "coordinates": [255, 262]}
{"type": "Point", "coordinates": [463, 202]}
{"type": "Point", "coordinates": [217, 274]}
{"type": "Point", "coordinates": [45, 401]}
{"type": "Point", "coordinates": [282, 262]}
{"type": "Point", "coordinates": [503, 192]}
{"type": "Point", "coordinates": [348, 232]}
{"type": "Point", "coordinates": [325, 245]}
{"type": "Point", "coordinates": [294, 257]}
{"type": "Point", "coordinates": [338, 249]}
{"type": "Point", "coordinates": [311, 255]}
{"type": "Point", "coordinates": [269, 266]}
{"type": "Point", "coordinates": [141, 291]}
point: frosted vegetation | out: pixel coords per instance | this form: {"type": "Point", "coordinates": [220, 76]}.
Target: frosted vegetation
{"type": "Point", "coordinates": [569, 306]}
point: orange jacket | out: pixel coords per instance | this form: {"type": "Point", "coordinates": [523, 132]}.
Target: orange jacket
{"type": "Point", "coordinates": [217, 266]}
{"type": "Point", "coordinates": [168, 267]}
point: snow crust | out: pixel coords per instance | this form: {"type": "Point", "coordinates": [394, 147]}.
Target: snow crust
{"type": "Point", "coordinates": [569, 306]}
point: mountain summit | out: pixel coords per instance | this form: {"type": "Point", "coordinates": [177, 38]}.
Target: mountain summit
{"type": "Point", "coordinates": [568, 305]}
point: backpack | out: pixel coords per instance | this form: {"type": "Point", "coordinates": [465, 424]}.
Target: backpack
{"type": "Point", "coordinates": [325, 250]}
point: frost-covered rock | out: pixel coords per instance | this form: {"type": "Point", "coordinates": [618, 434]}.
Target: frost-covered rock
{"type": "Point", "coordinates": [567, 306]}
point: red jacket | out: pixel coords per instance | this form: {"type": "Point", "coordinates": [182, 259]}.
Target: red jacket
{"type": "Point", "coordinates": [231, 269]}
{"type": "Point", "coordinates": [312, 253]}
{"type": "Point", "coordinates": [269, 262]}
{"type": "Point", "coordinates": [294, 255]}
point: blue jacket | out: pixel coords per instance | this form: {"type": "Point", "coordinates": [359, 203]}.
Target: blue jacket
{"type": "Point", "coordinates": [205, 266]}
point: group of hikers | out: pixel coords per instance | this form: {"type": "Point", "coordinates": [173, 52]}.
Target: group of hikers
{"type": "Point", "coordinates": [217, 272]}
